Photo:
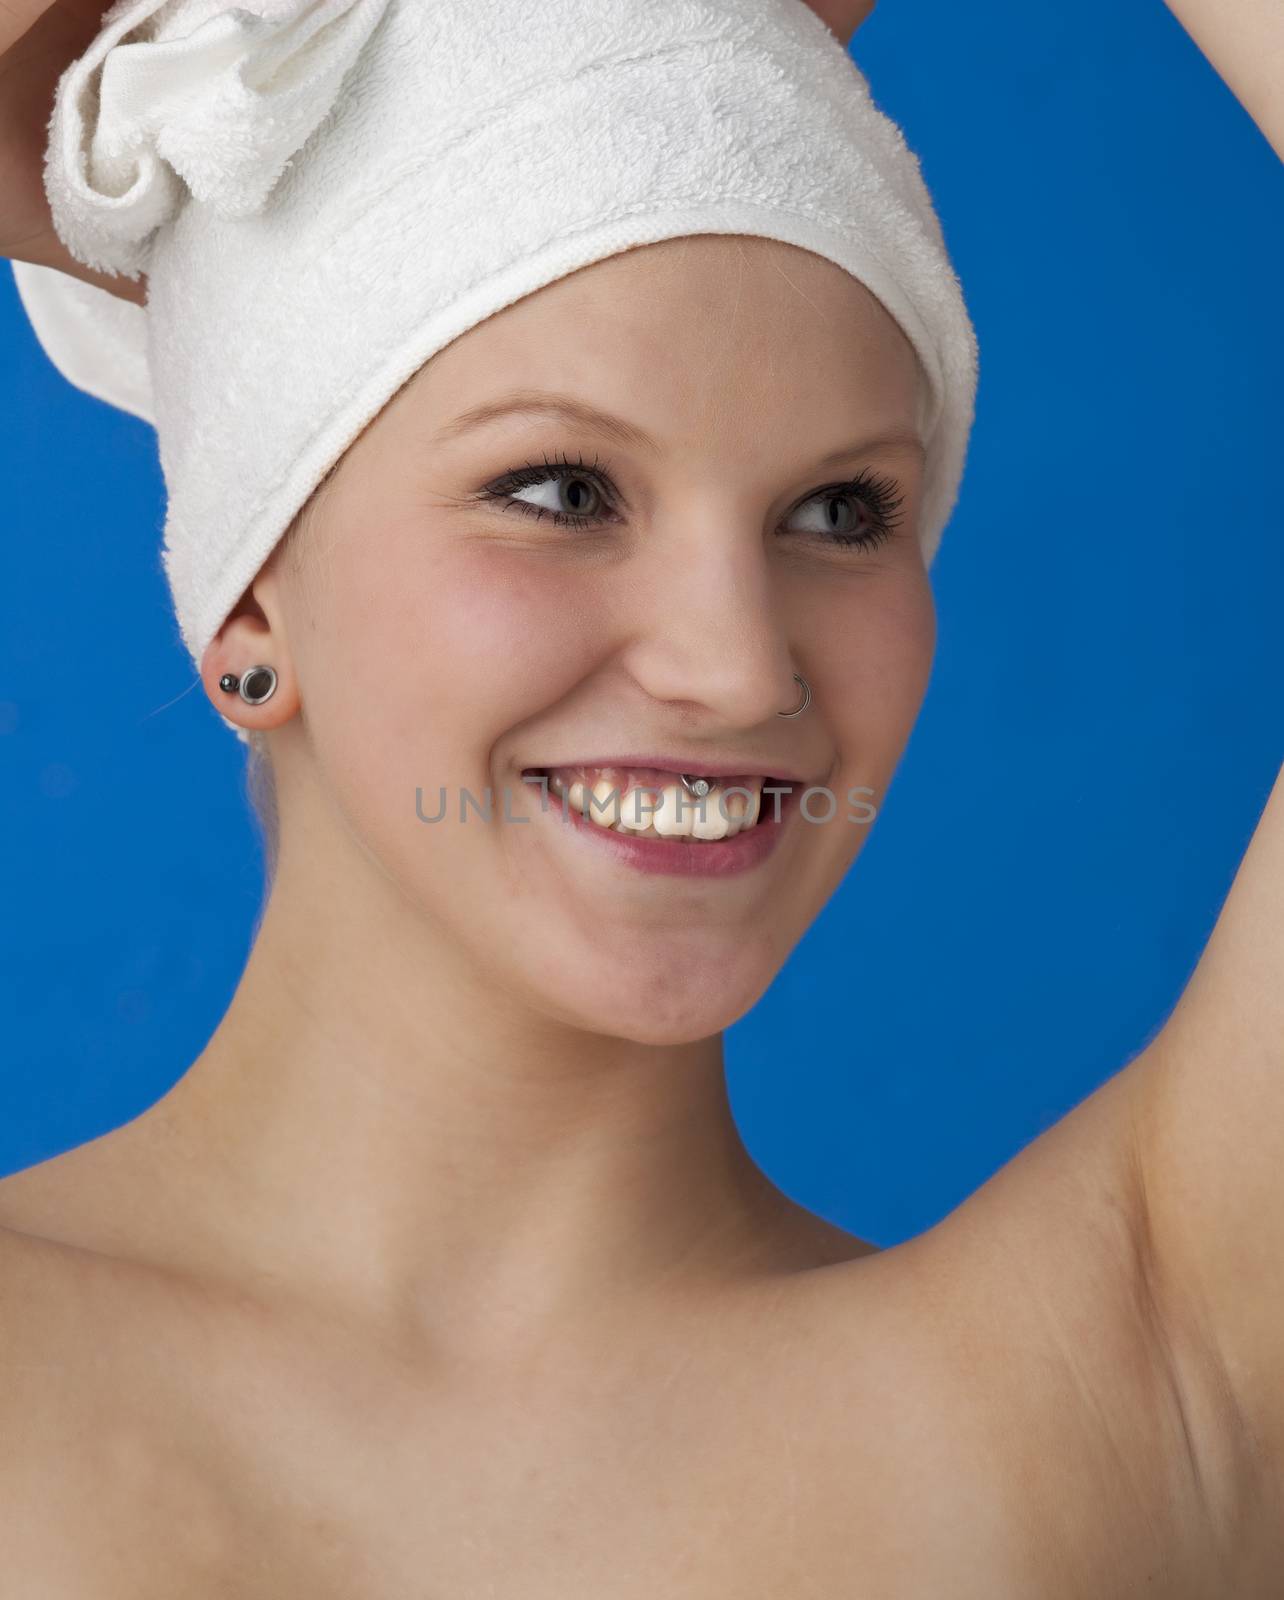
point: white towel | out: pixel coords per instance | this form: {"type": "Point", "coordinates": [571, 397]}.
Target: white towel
{"type": "Point", "coordinates": [324, 193]}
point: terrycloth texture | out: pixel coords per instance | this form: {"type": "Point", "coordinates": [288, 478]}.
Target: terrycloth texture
{"type": "Point", "coordinates": [324, 193]}
{"type": "Point", "coordinates": [97, 341]}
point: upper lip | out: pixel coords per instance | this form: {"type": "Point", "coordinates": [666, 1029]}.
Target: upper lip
{"type": "Point", "coordinates": [695, 766]}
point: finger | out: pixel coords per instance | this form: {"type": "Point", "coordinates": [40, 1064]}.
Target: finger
{"type": "Point", "coordinates": [843, 17]}
{"type": "Point", "coordinates": [16, 16]}
{"type": "Point", "coordinates": [79, 18]}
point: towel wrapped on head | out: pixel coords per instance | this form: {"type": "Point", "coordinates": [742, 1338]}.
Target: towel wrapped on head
{"type": "Point", "coordinates": [201, 99]}
{"type": "Point", "coordinates": [324, 193]}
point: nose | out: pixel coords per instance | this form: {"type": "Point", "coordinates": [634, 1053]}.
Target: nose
{"type": "Point", "coordinates": [707, 631]}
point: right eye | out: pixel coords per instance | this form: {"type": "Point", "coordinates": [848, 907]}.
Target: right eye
{"type": "Point", "coordinates": [574, 481]}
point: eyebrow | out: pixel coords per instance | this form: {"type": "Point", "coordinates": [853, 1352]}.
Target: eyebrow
{"type": "Point", "coordinates": [566, 408]}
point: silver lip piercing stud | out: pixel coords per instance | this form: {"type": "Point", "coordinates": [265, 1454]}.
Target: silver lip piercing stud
{"type": "Point", "coordinates": [254, 686]}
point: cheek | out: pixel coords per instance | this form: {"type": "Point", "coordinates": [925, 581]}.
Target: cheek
{"type": "Point", "coordinates": [877, 650]}
{"type": "Point", "coordinates": [425, 657]}
{"type": "Point", "coordinates": [907, 630]}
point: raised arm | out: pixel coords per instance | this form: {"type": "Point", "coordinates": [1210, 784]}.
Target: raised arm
{"type": "Point", "coordinates": [1244, 40]}
{"type": "Point", "coordinates": [38, 39]}
{"type": "Point", "coordinates": [1209, 1090]}
{"type": "Point", "coordinates": [1209, 1105]}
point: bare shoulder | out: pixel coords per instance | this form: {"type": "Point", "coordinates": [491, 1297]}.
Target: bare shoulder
{"type": "Point", "coordinates": [1104, 1406]}
{"type": "Point", "coordinates": [62, 1325]}
{"type": "Point", "coordinates": [51, 1287]}
{"type": "Point", "coordinates": [46, 1408]}
{"type": "Point", "coordinates": [78, 1285]}
{"type": "Point", "coordinates": [36, 1299]}
{"type": "Point", "coordinates": [101, 1468]}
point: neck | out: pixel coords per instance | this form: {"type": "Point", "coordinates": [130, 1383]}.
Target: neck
{"type": "Point", "coordinates": [373, 1124]}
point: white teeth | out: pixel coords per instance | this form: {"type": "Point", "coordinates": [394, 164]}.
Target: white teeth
{"type": "Point", "coordinates": [640, 806]}
{"type": "Point", "coordinates": [668, 813]}
{"type": "Point", "coordinates": [712, 825]}
{"type": "Point", "coordinates": [606, 794]}
{"type": "Point", "coordinates": [672, 818]}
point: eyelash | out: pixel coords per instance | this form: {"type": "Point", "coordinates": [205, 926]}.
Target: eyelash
{"type": "Point", "coordinates": [879, 495]}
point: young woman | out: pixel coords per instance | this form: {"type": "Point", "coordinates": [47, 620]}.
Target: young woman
{"type": "Point", "coordinates": [443, 1270]}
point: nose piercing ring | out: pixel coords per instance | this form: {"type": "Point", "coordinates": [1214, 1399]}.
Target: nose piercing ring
{"type": "Point", "coordinates": [254, 687]}
{"type": "Point", "coordinates": [806, 689]}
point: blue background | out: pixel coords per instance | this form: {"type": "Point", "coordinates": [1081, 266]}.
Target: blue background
{"type": "Point", "coordinates": [1102, 730]}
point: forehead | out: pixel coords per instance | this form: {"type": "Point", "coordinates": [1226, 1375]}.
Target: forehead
{"type": "Point", "coordinates": [764, 289]}
{"type": "Point", "coordinates": [694, 329]}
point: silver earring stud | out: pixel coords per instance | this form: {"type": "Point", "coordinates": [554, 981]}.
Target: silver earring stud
{"type": "Point", "coordinates": [254, 686]}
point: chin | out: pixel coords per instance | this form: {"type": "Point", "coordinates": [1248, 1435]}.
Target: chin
{"type": "Point", "coordinates": [660, 1005]}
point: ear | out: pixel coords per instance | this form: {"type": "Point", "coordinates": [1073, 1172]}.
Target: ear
{"type": "Point", "coordinates": [251, 637]}
{"type": "Point", "coordinates": [843, 17]}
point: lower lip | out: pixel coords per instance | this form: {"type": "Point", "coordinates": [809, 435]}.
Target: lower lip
{"type": "Point", "coordinates": [707, 858]}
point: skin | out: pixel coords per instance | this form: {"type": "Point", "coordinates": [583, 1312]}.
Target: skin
{"type": "Point", "coordinates": [37, 42]}
{"type": "Point", "coordinates": [473, 955]}
{"type": "Point", "coordinates": [444, 1264]}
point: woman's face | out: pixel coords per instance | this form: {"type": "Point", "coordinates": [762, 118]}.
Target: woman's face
{"type": "Point", "coordinates": [444, 638]}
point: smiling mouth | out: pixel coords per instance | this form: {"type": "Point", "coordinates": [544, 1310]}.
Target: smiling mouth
{"type": "Point", "coordinates": [652, 804]}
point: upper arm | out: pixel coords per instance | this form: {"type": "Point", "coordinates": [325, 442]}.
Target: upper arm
{"type": "Point", "coordinates": [1116, 1436]}
{"type": "Point", "coordinates": [1209, 1116]}
{"type": "Point", "coordinates": [1245, 44]}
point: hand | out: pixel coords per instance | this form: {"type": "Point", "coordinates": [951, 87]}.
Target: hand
{"type": "Point", "coordinates": [39, 39]}
{"type": "Point", "coordinates": [843, 17]}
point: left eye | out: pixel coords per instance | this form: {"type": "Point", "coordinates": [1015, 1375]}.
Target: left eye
{"type": "Point", "coordinates": [833, 513]}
